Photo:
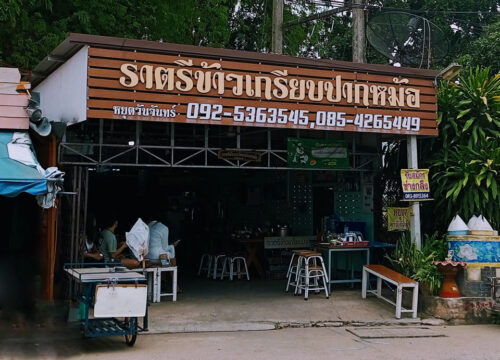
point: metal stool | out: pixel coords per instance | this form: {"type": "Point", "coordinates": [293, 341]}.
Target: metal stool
{"type": "Point", "coordinates": [216, 260]}
{"type": "Point", "coordinates": [230, 261]}
{"type": "Point", "coordinates": [205, 264]}
{"type": "Point", "coordinates": [307, 270]}
{"type": "Point", "coordinates": [292, 267]}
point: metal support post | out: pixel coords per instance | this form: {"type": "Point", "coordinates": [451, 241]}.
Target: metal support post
{"type": "Point", "coordinates": [206, 145]}
{"type": "Point", "coordinates": [138, 130]}
{"type": "Point", "coordinates": [411, 148]}
{"type": "Point", "coordinates": [101, 135]}
{"type": "Point", "coordinates": [269, 148]}
{"type": "Point", "coordinates": [172, 142]}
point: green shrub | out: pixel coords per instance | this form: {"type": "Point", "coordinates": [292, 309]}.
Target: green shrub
{"type": "Point", "coordinates": [417, 264]}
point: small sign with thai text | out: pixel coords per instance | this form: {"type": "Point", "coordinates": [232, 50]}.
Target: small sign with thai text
{"type": "Point", "coordinates": [398, 218]}
{"type": "Point", "coordinates": [415, 184]}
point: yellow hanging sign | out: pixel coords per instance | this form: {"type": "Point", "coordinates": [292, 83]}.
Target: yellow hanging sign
{"type": "Point", "coordinates": [398, 218]}
{"type": "Point", "coordinates": [415, 184]}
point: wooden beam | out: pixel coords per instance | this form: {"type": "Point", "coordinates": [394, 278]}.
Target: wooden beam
{"type": "Point", "coordinates": [47, 156]}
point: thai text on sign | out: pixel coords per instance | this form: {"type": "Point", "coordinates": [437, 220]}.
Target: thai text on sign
{"type": "Point", "coordinates": [238, 90]}
{"type": "Point", "coordinates": [398, 218]}
{"type": "Point", "coordinates": [415, 184]}
{"type": "Point", "coordinates": [276, 85]}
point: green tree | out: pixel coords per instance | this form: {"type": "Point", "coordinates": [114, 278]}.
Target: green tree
{"type": "Point", "coordinates": [485, 50]}
{"type": "Point", "coordinates": [466, 164]}
{"type": "Point", "coordinates": [30, 29]}
{"type": "Point", "coordinates": [29, 32]}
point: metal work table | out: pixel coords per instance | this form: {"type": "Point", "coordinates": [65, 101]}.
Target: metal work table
{"type": "Point", "coordinates": [327, 252]}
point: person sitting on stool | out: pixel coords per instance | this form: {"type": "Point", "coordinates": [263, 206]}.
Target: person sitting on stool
{"type": "Point", "coordinates": [158, 243]}
{"type": "Point", "coordinates": [109, 248]}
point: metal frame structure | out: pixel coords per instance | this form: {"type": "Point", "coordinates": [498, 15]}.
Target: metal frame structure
{"type": "Point", "coordinates": [176, 156]}
{"type": "Point", "coordinates": [82, 156]}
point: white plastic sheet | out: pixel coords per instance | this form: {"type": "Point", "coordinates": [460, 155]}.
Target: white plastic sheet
{"type": "Point", "coordinates": [137, 239]}
{"type": "Point", "coordinates": [21, 149]}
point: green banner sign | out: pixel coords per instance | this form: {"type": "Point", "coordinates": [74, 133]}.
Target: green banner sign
{"type": "Point", "coordinates": [317, 154]}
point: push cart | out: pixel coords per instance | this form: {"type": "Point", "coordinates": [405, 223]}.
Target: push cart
{"type": "Point", "coordinates": [116, 296]}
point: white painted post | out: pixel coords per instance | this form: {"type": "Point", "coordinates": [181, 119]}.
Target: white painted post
{"type": "Point", "coordinates": [411, 147]}
{"type": "Point", "coordinates": [414, 304]}
{"type": "Point", "coordinates": [156, 286]}
{"type": "Point", "coordinates": [399, 298]}
{"type": "Point", "coordinates": [364, 283]}
{"type": "Point", "coordinates": [174, 285]}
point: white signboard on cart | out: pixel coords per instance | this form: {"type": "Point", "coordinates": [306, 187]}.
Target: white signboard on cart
{"type": "Point", "coordinates": [120, 300]}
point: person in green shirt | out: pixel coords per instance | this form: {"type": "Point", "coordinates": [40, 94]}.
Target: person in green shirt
{"type": "Point", "coordinates": [109, 249]}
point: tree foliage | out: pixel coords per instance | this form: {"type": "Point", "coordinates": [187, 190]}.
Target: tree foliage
{"type": "Point", "coordinates": [466, 165]}
{"type": "Point", "coordinates": [485, 50]}
{"type": "Point", "coordinates": [30, 29]}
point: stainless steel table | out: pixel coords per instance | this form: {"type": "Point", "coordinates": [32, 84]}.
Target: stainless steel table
{"type": "Point", "coordinates": [327, 252]}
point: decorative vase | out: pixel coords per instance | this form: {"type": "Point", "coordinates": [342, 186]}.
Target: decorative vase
{"type": "Point", "coordinates": [450, 270]}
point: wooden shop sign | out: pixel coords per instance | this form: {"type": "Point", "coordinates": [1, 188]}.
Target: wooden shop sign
{"type": "Point", "coordinates": [176, 85]}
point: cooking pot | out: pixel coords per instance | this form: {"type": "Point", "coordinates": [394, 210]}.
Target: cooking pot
{"type": "Point", "coordinates": [283, 231]}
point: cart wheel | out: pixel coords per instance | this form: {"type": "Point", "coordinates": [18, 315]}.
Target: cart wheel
{"type": "Point", "coordinates": [132, 325]}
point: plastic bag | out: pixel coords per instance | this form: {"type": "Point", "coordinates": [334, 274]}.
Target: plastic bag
{"type": "Point", "coordinates": [138, 238]}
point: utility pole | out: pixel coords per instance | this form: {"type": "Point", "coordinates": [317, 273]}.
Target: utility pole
{"type": "Point", "coordinates": [277, 41]}
{"type": "Point", "coordinates": [358, 32]}
{"type": "Point", "coordinates": [412, 156]}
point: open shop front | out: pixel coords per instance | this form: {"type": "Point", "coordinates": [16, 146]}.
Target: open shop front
{"type": "Point", "coordinates": [253, 154]}
{"type": "Point", "coordinates": [263, 208]}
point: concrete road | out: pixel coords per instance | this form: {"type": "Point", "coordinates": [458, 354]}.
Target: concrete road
{"type": "Point", "coordinates": [475, 342]}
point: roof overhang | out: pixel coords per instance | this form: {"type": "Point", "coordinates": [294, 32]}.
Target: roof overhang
{"type": "Point", "coordinates": [75, 42]}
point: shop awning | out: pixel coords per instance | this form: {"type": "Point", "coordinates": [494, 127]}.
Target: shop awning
{"type": "Point", "coordinates": [23, 174]}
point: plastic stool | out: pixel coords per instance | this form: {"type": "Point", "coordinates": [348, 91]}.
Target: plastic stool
{"type": "Point", "coordinates": [205, 264]}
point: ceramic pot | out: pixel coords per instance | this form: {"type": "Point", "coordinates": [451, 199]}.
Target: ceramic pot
{"type": "Point", "coordinates": [450, 270]}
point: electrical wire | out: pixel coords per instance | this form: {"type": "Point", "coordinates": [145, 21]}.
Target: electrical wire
{"type": "Point", "coordinates": [413, 11]}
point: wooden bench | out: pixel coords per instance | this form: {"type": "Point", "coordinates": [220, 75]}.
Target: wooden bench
{"type": "Point", "coordinates": [395, 278]}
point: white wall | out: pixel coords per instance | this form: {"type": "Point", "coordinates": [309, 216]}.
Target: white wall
{"type": "Point", "coordinates": [63, 94]}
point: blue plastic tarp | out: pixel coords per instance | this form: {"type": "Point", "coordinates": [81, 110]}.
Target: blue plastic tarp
{"type": "Point", "coordinates": [16, 177]}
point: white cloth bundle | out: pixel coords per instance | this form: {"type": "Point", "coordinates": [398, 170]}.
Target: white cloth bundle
{"type": "Point", "coordinates": [138, 238]}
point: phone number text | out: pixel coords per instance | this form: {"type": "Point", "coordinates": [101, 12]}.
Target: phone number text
{"type": "Point", "coordinates": [263, 115]}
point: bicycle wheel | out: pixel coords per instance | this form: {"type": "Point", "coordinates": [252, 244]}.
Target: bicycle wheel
{"type": "Point", "coordinates": [131, 324]}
